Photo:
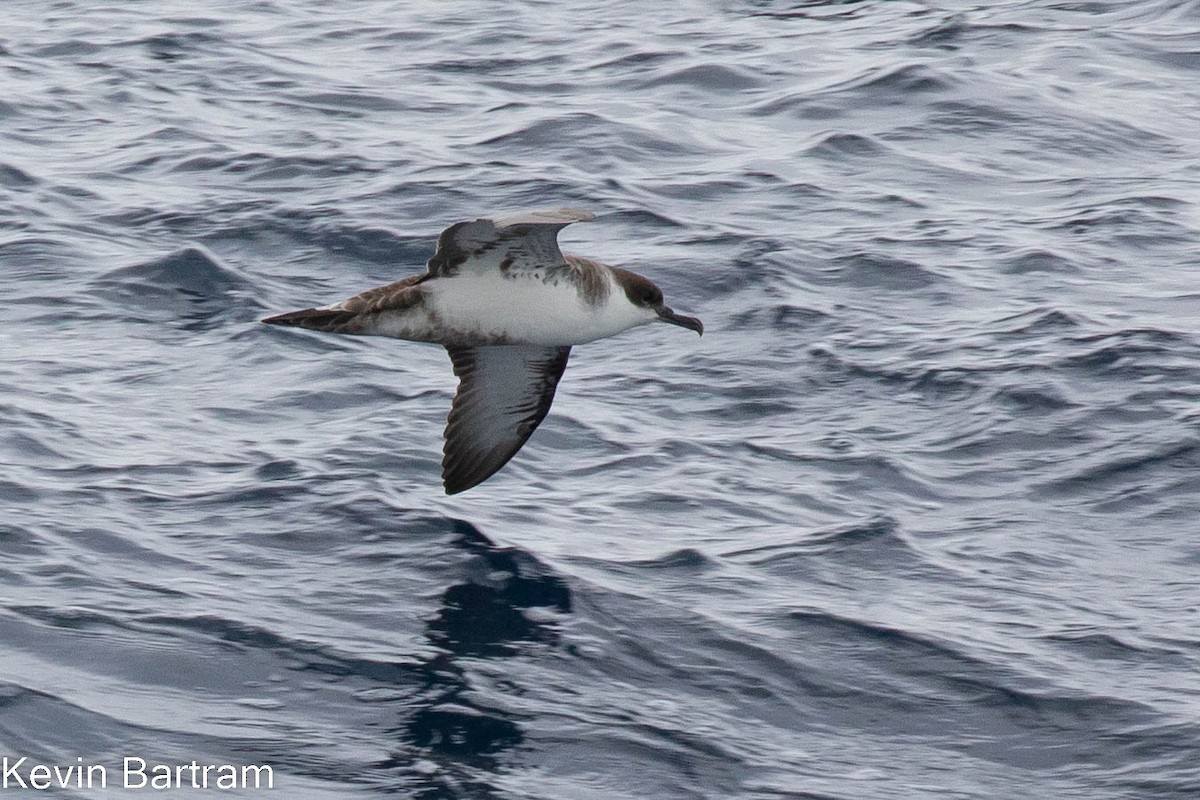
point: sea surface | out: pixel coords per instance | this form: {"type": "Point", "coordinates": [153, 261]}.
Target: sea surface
{"type": "Point", "coordinates": [918, 517]}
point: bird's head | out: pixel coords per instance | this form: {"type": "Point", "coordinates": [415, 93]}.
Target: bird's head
{"type": "Point", "coordinates": [645, 295]}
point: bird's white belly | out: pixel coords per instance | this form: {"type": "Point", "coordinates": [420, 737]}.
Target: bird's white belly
{"type": "Point", "coordinates": [524, 310]}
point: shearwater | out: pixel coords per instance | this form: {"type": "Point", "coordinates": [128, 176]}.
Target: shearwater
{"type": "Point", "coordinates": [507, 305]}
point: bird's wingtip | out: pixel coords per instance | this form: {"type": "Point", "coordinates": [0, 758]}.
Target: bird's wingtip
{"type": "Point", "coordinates": [317, 319]}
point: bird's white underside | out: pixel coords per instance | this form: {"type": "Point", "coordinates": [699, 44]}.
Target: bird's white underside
{"type": "Point", "coordinates": [522, 309]}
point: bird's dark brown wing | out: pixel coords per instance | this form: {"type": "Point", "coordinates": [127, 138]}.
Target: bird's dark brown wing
{"type": "Point", "coordinates": [504, 392]}
{"type": "Point", "coordinates": [356, 314]}
{"type": "Point", "coordinates": [525, 242]}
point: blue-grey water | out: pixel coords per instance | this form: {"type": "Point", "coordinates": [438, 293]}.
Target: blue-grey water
{"type": "Point", "coordinates": [918, 517]}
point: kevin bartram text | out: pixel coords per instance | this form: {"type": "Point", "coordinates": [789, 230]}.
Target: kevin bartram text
{"type": "Point", "coordinates": [134, 772]}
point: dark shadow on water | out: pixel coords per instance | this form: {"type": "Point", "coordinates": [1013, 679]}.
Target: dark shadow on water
{"type": "Point", "coordinates": [483, 617]}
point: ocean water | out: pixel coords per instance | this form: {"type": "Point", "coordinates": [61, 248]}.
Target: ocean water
{"type": "Point", "coordinates": [918, 517]}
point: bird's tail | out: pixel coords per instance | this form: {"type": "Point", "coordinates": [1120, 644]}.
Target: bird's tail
{"type": "Point", "coordinates": [316, 319]}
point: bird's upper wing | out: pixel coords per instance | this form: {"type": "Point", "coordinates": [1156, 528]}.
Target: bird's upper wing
{"type": "Point", "coordinates": [525, 242]}
{"type": "Point", "coordinates": [504, 392]}
{"type": "Point", "coordinates": [354, 315]}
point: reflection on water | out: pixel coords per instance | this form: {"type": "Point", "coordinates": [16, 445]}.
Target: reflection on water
{"type": "Point", "coordinates": [482, 618]}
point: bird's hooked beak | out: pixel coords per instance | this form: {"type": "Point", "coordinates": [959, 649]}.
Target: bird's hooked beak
{"type": "Point", "coordinates": [665, 314]}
